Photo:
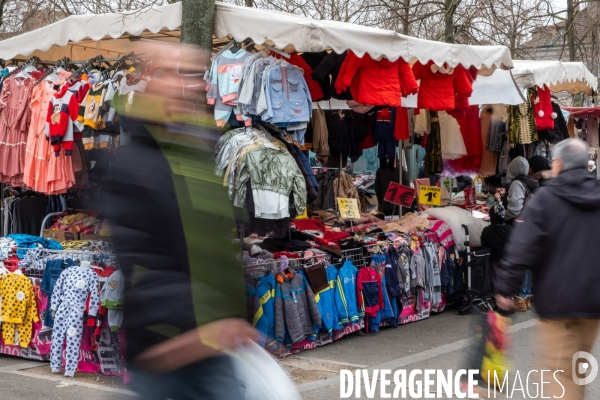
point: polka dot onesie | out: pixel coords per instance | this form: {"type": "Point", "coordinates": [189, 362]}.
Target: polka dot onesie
{"type": "Point", "coordinates": [68, 302]}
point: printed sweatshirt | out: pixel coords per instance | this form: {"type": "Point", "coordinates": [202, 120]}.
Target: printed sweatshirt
{"type": "Point", "coordinates": [63, 111]}
{"type": "Point", "coordinates": [224, 83]}
{"type": "Point", "coordinates": [18, 300]}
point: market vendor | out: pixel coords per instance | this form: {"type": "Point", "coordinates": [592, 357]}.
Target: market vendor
{"type": "Point", "coordinates": [540, 169]}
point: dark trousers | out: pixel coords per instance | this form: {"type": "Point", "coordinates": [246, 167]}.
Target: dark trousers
{"type": "Point", "coordinates": [212, 379]}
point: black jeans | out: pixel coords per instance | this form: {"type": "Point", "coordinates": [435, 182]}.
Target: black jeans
{"type": "Point", "coordinates": [212, 379]}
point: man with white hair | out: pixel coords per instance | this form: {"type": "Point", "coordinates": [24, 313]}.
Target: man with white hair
{"type": "Point", "coordinates": [557, 239]}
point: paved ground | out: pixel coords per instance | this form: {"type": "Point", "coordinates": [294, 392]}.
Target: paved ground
{"type": "Point", "coordinates": [439, 342]}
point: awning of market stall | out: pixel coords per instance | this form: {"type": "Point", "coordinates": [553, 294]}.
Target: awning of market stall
{"type": "Point", "coordinates": [111, 35]}
{"type": "Point", "coordinates": [583, 112]}
{"type": "Point", "coordinates": [572, 77]}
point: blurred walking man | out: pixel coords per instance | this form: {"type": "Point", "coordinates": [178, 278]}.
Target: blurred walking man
{"type": "Point", "coordinates": [557, 239]}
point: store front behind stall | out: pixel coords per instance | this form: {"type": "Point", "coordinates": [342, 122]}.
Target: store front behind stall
{"type": "Point", "coordinates": [296, 99]}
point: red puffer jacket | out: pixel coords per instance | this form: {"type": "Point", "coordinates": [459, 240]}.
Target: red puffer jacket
{"type": "Point", "coordinates": [461, 103]}
{"type": "Point", "coordinates": [440, 85]}
{"type": "Point", "coordinates": [378, 83]}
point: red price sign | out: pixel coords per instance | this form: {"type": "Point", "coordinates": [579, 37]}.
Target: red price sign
{"type": "Point", "coordinates": [400, 194]}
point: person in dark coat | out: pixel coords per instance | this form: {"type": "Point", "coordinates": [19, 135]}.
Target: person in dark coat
{"type": "Point", "coordinates": [495, 236]}
{"type": "Point", "coordinates": [171, 222]}
{"type": "Point", "coordinates": [557, 239]}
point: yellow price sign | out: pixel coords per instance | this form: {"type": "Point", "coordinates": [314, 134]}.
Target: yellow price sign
{"type": "Point", "coordinates": [431, 195]}
{"type": "Point", "coordinates": [348, 208]}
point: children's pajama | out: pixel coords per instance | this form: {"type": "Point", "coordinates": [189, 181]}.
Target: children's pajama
{"type": "Point", "coordinates": [68, 302]}
{"type": "Point", "coordinates": [19, 309]}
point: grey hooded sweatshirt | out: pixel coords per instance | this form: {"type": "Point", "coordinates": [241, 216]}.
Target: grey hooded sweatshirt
{"type": "Point", "coordinates": [520, 183]}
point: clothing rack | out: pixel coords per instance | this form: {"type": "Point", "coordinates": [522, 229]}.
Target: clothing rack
{"type": "Point", "coordinates": [61, 63]}
{"type": "Point", "coordinates": [33, 61]}
{"type": "Point", "coordinates": [84, 66]}
{"type": "Point", "coordinates": [275, 50]}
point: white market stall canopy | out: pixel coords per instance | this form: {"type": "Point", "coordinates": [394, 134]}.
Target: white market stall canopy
{"type": "Point", "coordinates": [572, 77]}
{"type": "Point", "coordinates": [111, 35]}
{"type": "Point", "coordinates": [500, 88]}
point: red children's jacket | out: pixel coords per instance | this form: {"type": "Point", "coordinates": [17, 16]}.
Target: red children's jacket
{"type": "Point", "coordinates": [439, 86]}
{"type": "Point", "coordinates": [378, 83]}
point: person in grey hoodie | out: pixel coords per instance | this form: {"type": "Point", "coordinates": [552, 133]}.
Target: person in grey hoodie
{"type": "Point", "coordinates": [521, 187]}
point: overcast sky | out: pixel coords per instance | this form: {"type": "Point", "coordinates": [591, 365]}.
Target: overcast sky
{"type": "Point", "coordinates": [561, 4]}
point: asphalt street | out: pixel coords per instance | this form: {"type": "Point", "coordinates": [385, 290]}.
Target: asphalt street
{"type": "Point", "coordinates": [440, 342]}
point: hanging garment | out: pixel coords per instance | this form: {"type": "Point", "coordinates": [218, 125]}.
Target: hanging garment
{"type": "Point", "coordinates": [91, 113]}
{"type": "Point", "coordinates": [433, 156]}
{"type": "Point", "coordinates": [51, 274]}
{"type": "Point", "coordinates": [345, 294]}
{"type": "Point", "coordinates": [340, 129]}
{"type": "Point", "coordinates": [14, 125]}
{"type": "Point", "coordinates": [542, 107]}
{"type": "Point", "coordinates": [453, 144]}
{"type": "Point", "coordinates": [461, 100]}
{"type": "Point", "coordinates": [112, 297]}
{"type": "Point", "coordinates": [368, 291]}
{"type": "Point", "coordinates": [38, 148]}
{"type": "Point", "coordinates": [314, 88]}
{"type": "Point", "coordinates": [497, 127]}
{"type": "Point", "coordinates": [264, 310]}
{"type": "Point", "coordinates": [489, 159]}
{"type": "Point", "coordinates": [314, 60]}
{"type": "Point", "coordinates": [382, 128]}
{"type": "Point", "coordinates": [470, 130]}
{"type": "Point", "coordinates": [380, 83]}
{"type": "Point", "coordinates": [422, 122]}
{"type": "Point", "coordinates": [521, 126]}
{"type": "Point", "coordinates": [439, 85]}
{"type": "Point", "coordinates": [296, 311]}
{"type": "Point", "coordinates": [225, 78]}
{"type": "Point", "coordinates": [69, 303]}
{"type": "Point", "coordinates": [320, 135]}
{"type": "Point", "coordinates": [19, 309]}
{"type": "Point", "coordinates": [328, 71]}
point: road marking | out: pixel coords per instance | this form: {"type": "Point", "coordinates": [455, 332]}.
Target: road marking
{"type": "Point", "coordinates": [414, 358]}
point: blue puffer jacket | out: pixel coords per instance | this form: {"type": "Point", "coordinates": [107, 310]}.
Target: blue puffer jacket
{"type": "Point", "coordinates": [264, 310]}
{"type": "Point", "coordinates": [309, 171]}
{"type": "Point", "coordinates": [345, 294]}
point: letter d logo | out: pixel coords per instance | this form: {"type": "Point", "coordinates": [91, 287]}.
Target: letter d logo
{"type": "Point", "coordinates": [581, 368]}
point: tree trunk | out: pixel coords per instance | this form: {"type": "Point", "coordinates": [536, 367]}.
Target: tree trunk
{"type": "Point", "coordinates": [571, 30]}
{"type": "Point", "coordinates": [197, 23]}
{"type": "Point", "coordinates": [249, 3]}
{"type": "Point", "coordinates": [449, 9]}
{"type": "Point", "coordinates": [406, 18]}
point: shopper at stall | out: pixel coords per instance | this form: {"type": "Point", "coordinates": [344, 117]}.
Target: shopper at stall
{"type": "Point", "coordinates": [521, 188]}
{"type": "Point", "coordinates": [556, 239]}
{"type": "Point", "coordinates": [495, 236]}
{"type": "Point", "coordinates": [592, 168]}
{"type": "Point", "coordinates": [171, 224]}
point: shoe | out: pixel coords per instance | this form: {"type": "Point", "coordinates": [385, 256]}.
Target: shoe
{"type": "Point", "coordinates": [520, 305]}
{"type": "Point", "coordinates": [528, 302]}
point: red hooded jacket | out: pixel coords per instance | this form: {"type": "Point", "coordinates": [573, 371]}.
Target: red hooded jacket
{"type": "Point", "coordinates": [378, 83]}
{"type": "Point", "coordinates": [439, 86]}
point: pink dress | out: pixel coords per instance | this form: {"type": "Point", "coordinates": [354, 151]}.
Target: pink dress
{"type": "Point", "coordinates": [14, 125]}
{"type": "Point", "coordinates": [37, 153]}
